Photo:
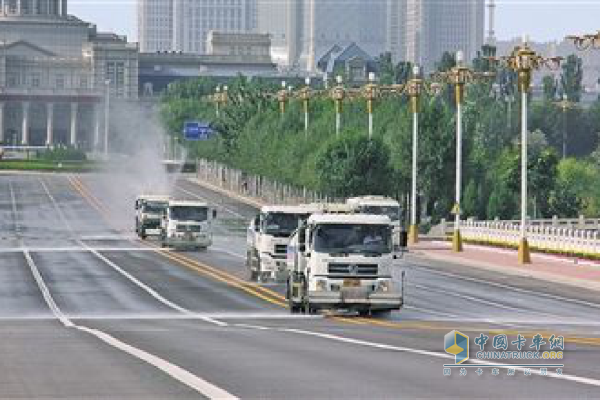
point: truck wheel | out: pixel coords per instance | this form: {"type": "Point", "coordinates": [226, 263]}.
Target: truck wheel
{"type": "Point", "coordinates": [308, 309]}
{"type": "Point", "coordinates": [381, 313]}
{"type": "Point", "coordinates": [143, 234]}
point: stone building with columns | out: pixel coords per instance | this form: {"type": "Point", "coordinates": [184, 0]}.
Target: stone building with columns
{"type": "Point", "coordinates": [55, 74]}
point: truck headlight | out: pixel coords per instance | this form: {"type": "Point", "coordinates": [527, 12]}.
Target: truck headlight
{"type": "Point", "coordinates": [322, 285]}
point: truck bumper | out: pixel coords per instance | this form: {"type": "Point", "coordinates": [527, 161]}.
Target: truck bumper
{"type": "Point", "coordinates": [373, 301]}
{"type": "Point", "coordinates": [274, 268]}
{"type": "Point", "coordinates": [202, 241]}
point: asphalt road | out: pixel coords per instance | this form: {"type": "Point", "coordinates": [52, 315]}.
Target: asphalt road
{"type": "Point", "coordinates": [88, 311]}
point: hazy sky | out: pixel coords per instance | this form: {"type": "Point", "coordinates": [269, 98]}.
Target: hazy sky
{"type": "Point", "coordinates": [542, 20]}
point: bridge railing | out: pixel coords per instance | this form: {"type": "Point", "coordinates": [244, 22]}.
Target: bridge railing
{"type": "Point", "coordinates": [256, 187]}
{"type": "Point", "coordinates": [545, 238]}
{"type": "Point", "coordinates": [447, 227]}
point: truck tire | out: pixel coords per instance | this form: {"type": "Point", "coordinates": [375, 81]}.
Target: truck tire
{"type": "Point", "coordinates": [292, 305]}
{"type": "Point", "coordinates": [143, 235]}
{"type": "Point", "coordinates": [381, 313]}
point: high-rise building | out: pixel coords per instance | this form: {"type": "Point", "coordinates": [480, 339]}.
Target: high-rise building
{"type": "Point", "coordinates": [434, 27]}
{"type": "Point", "coordinates": [183, 25]}
{"type": "Point", "coordinates": [155, 25]}
{"type": "Point", "coordinates": [302, 31]}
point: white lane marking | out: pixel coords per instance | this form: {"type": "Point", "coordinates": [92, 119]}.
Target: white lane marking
{"type": "Point", "coordinates": [229, 210]}
{"type": "Point", "coordinates": [45, 292]}
{"type": "Point", "coordinates": [231, 253]}
{"type": "Point", "coordinates": [187, 378]}
{"type": "Point", "coordinates": [482, 301]}
{"type": "Point", "coordinates": [573, 378]}
{"type": "Point", "coordinates": [120, 270]}
{"type": "Point", "coordinates": [79, 249]}
{"type": "Point", "coordinates": [431, 312]}
{"type": "Point", "coordinates": [148, 289]}
{"type": "Point", "coordinates": [13, 201]}
{"type": "Point", "coordinates": [503, 286]}
{"type": "Point", "coordinates": [200, 385]}
{"type": "Point", "coordinates": [256, 327]}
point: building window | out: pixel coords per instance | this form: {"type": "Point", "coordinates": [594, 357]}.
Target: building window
{"type": "Point", "coordinates": [36, 80]}
{"type": "Point", "coordinates": [60, 81]}
{"type": "Point", "coordinates": [13, 80]}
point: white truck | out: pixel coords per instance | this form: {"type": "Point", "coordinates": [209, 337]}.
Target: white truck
{"type": "Point", "coordinates": [187, 224]}
{"type": "Point", "coordinates": [268, 237]}
{"type": "Point", "coordinates": [380, 205]}
{"type": "Point", "coordinates": [343, 262]}
{"type": "Point", "coordinates": [149, 210]}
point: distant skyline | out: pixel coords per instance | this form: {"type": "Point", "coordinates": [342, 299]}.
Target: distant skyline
{"type": "Point", "coordinates": [542, 20]}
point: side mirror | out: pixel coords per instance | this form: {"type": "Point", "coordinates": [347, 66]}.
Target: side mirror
{"type": "Point", "coordinates": [302, 248]}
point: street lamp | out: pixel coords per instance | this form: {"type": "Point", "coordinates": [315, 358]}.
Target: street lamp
{"type": "Point", "coordinates": [415, 88]}
{"type": "Point", "coordinates": [585, 42]}
{"type": "Point", "coordinates": [459, 76]}
{"type": "Point", "coordinates": [282, 96]}
{"type": "Point", "coordinates": [217, 100]}
{"type": "Point", "coordinates": [305, 96]}
{"type": "Point", "coordinates": [565, 105]}
{"type": "Point", "coordinates": [525, 61]}
{"type": "Point", "coordinates": [338, 93]}
{"type": "Point", "coordinates": [371, 92]}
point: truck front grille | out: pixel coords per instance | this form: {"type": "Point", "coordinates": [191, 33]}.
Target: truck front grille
{"type": "Point", "coordinates": [280, 249]}
{"type": "Point", "coordinates": [353, 269]}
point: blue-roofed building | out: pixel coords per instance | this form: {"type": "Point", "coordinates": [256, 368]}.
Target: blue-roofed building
{"type": "Point", "coordinates": [351, 61]}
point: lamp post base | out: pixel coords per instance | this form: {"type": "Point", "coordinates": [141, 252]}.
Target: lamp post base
{"type": "Point", "coordinates": [524, 253]}
{"type": "Point", "coordinates": [457, 245]}
{"type": "Point", "coordinates": [413, 234]}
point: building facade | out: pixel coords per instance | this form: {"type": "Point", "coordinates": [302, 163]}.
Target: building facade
{"type": "Point", "coordinates": [55, 72]}
{"type": "Point", "coordinates": [183, 25]}
{"type": "Point", "coordinates": [155, 25]}
{"type": "Point", "coordinates": [434, 27]}
{"type": "Point", "coordinates": [303, 31]}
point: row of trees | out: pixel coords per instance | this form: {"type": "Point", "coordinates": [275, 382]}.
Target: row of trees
{"type": "Point", "coordinates": [253, 136]}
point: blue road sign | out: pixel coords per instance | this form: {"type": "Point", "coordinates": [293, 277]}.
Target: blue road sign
{"type": "Point", "coordinates": [194, 130]}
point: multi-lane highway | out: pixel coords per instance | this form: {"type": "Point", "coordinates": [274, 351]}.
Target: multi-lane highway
{"type": "Point", "coordinates": [88, 311]}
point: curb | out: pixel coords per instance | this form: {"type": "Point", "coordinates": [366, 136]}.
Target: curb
{"type": "Point", "coordinates": [243, 199]}
{"type": "Point", "coordinates": [512, 271]}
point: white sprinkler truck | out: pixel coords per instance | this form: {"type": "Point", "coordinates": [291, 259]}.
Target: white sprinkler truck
{"type": "Point", "coordinates": [380, 205]}
{"type": "Point", "coordinates": [268, 237]}
{"type": "Point", "coordinates": [187, 224]}
{"type": "Point", "coordinates": [343, 262]}
{"type": "Point", "coordinates": [149, 210]}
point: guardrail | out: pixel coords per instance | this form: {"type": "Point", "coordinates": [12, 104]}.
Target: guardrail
{"type": "Point", "coordinates": [256, 187]}
{"type": "Point", "coordinates": [545, 238]}
{"type": "Point", "coordinates": [581, 223]}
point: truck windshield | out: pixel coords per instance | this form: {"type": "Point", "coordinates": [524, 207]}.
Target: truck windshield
{"type": "Point", "coordinates": [280, 224]}
{"type": "Point", "coordinates": [154, 207]}
{"type": "Point", "coordinates": [391, 211]}
{"type": "Point", "coordinates": [355, 239]}
{"type": "Point", "coordinates": [186, 213]}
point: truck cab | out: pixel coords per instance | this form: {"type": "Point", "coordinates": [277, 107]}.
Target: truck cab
{"type": "Point", "coordinates": [149, 210]}
{"type": "Point", "coordinates": [380, 205]}
{"type": "Point", "coordinates": [268, 237]}
{"type": "Point", "coordinates": [187, 224]}
{"type": "Point", "coordinates": [343, 262]}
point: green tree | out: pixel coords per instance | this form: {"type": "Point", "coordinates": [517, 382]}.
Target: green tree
{"type": "Point", "coordinates": [550, 88]}
{"type": "Point", "coordinates": [354, 165]}
{"type": "Point", "coordinates": [387, 69]}
{"type": "Point", "coordinates": [571, 78]}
